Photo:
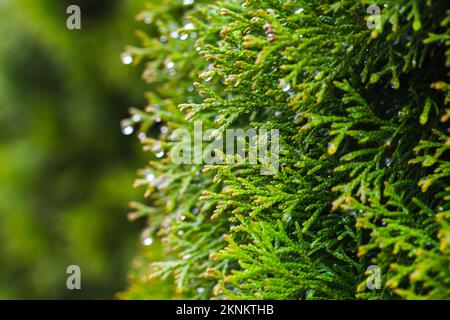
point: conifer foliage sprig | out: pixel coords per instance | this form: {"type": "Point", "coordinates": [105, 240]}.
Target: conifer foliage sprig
{"type": "Point", "coordinates": [364, 147]}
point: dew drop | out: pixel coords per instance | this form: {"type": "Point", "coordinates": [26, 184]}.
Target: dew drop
{"type": "Point", "coordinates": [184, 36]}
{"type": "Point", "coordinates": [150, 177]}
{"type": "Point", "coordinates": [387, 162]}
{"type": "Point", "coordinates": [160, 154]}
{"type": "Point", "coordinates": [126, 58]}
{"type": "Point", "coordinates": [170, 64]}
{"type": "Point", "coordinates": [147, 241]}
{"type": "Point", "coordinates": [395, 84]}
{"type": "Point", "coordinates": [127, 128]}
{"type": "Point", "coordinates": [300, 10]}
{"type": "Point", "coordinates": [188, 2]}
{"type": "Point", "coordinates": [200, 289]}
{"type": "Point", "coordinates": [189, 26]}
{"type": "Point", "coordinates": [174, 35]}
{"type": "Point", "coordinates": [136, 118]}
{"type": "Point", "coordinates": [424, 184]}
{"type": "Point", "coordinates": [187, 257]}
{"type": "Point", "coordinates": [146, 238]}
{"type": "Point", "coordinates": [195, 210]}
{"type": "Point", "coordinates": [331, 148]}
{"type": "Point", "coordinates": [164, 130]}
{"type": "Point", "coordinates": [182, 218]}
{"type": "Point", "coordinates": [142, 136]}
{"type": "Point", "coordinates": [285, 86]}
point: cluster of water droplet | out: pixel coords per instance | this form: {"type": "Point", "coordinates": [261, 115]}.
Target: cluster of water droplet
{"type": "Point", "coordinates": [127, 125]}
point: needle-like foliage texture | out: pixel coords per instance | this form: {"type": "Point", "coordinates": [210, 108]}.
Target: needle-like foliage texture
{"type": "Point", "coordinates": [364, 147]}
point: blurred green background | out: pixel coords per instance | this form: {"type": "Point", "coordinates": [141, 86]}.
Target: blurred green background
{"type": "Point", "coordinates": [65, 168]}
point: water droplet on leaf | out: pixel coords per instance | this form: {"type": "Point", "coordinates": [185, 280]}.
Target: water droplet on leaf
{"type": "Point", "coordinates": [146, 238]}
{"type": "Point", "coordinates": [189, 26]}
{"type": "Point", "coordinates": [285, 86]}
{"type": "Point", "coordinates": [200, 290]}
{"type": "Point", "coordinates": [160, 154]}
{"type": "Point", "coordinates": [126, 58]}
{"type": "Point", "coordinates": [127, 128]}
{"type": "Point", "coordinates": [150, 177]}
{"type": "Point", "coordinates": [331, 148]}
{"type": "Point", "coordinates": [424, 184]}
{"type": "Point", "coordinates": [147, 241]}
{"type": "Point", "coordinates": [170, 64]}
{"type": "Point", "coordinates": [388, 162]}
{"type": "Point", "coordinates": [136, 118]}
{"type": "Point", "coordinates": [164, 130]}
{"type": "Point", "coordinates": [142, 136]}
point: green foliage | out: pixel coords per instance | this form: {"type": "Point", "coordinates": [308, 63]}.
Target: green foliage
{"type": "Point", "coordinates": [364, 147]}
{"type": "Point", "coordinates": [143, 287]}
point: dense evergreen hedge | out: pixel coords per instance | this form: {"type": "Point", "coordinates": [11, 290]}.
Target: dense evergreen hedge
{"type": "Point", "coordinates": [364, 147]}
